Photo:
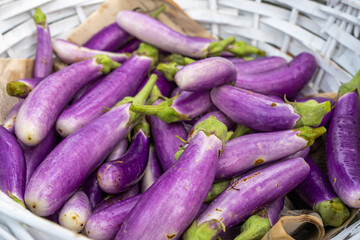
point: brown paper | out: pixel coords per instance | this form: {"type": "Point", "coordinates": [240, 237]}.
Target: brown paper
{"type": "Point", "coordinates": [296, 224]}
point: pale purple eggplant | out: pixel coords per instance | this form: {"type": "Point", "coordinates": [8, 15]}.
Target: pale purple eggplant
{"type": "Point", "coordinates": [12, 167]}
{"type": "Point", "coordinates": [43, 58]}
{"type": "Point", "coordinates": [70, 52]}
{"type": "Point", "coordinates": [235, 60]}
{"type": "Point", "coordinates": [281, 81]}
{"type": "Point", "coordinates": [251, 192]}
{"type": "Point", "coordinates": [40, 109]}
{"type": "Point", "coordinates": [122, 82]}
{"type": "Point", "coordinates": [152, 31]}
{"type": "Point", "coordinates": [267, 113]}
{"type": "Point", "coordinates": [302, 154]}
{"type": "Point", "coordinates": [316, 191]}
{"type": "Point", "coordinates": [153, 170]}
{"type": "Point", "coordinates": [118, 175]}
{"type": "Point", "coordinates": [104, 224]}
{"type": "Point", "coordinates": [206, 74]}
{"type": "Point", "coordinates": [72, 161]}
{"type": "Point", "coordinates": [85, 89]}
{"type": "Point", "coordinates": [75, 212]}
{"type": "Point", "coordinates": [118, 150]}
{"type": "Point", "coordinates": [110, 38]}
{"type": "Point", "coordinates": [172, 64]}
{"type": "Point", "coordinates": [260, 148]}
{"type": "Point", "coordinates": [260, 65]}
{"type": "Point", "coordinates": [182, 187]}
{"type": "Point", "coordinates": [129, 47]}
{"type": "Point", "coordinates": [36, 154]}
{"type": "Point", "coordinates": [92, 189]}
{"type": "Point", "coordinates": [162, 84]}
{"type": "Point", "coordinates": [22, 87]}
{"type": "Point", "coordinates": [9, 123]}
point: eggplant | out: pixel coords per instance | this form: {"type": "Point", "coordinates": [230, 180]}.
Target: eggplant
{"type": "Point", "coordinates": [259, 65]}
{"type": "Point", "coordinates": [281, 81]}
{"type": "Point", "coordinates": [43, 57]}
{"type": "Point", "coordinates": [261, 148]}
{"type": "Point", "coordinates": [92, 189]}
{"type": "Point", "coordinates": [118, 150]}
{"type": "Point", "coordinates": [172, 64]}
{"type": "Point", "coordinates": [118, 175]}
{"type": "Point", "coordinates": [21, 88]}
{"type": "Point", "coordinates": [72, 161]}
{"type": "Point", "coordinates": [219, 115]}
{"type": "Point", "coordinates": [12, 167]}
{"type": "Point", "coordinates": [131, 46]}
{"type": "Point", "coordinates": [153, 170]}
{"type": "Point", "coordinates": [267, 113]}
{"type": "Point", "coordinates": [75, 212]}
{"type": "Point", "coordinates": [316, 191]}
{"type": "Point", "coordinates": [40, 109]}
{"type": "Point", "coordinates": [85, 89]}
{"type": "Point", "coordinates": [122, 82]}
{"type": "Point", "coordinates": [251, 192]}
{"type": "Point", "coordinates": [9, 123]}
{"type": "Point", "coordinates": [182, 187]}
{"type": "Point", "coordinates": [165, 87]}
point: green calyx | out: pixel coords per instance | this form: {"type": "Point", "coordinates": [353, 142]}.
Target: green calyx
{"type": "Point", "coordinates": [351, 86]}
{"type": "Point", "coordinates": [142, 126]}
{"type": "Point", "coordinates": [241, 48]}
{"type": "Point", "coordinates": [181, 60]}
{"type": "Point", "coordinates": [217, 47]}
{"type": "Point", "coordinates": [157, 11]}
{"type": "Point", "coordinates": [241, 130]}
{"type": "Point", "coordinates": [310, 134]}
{"type": "Point", "coordinates": [229, 135]}
{"type": "Point", "coordinates": [107, 62]}
{"type": "Point", "coordinates": [333, 212]}
{"type": "Point", "coordinates": [155, 95]}
{"type": "Point", "coordinates": [168, 69]}
{"type": "Point", "coordinates": [39, 17]}
{"type": "Point", "coordinates": [204, 231]}
{"type": "Point", "coordinates": [255, 227]}
{"type": "Point", "coordinates": [149, 51]}
{"type": "Point", "coordinates": [311, 112]}
{"type": "Point", "coordinates": [216, 189]}
{"type": "Point", "coordinates": [17, 89]}
{"type": "Point", "coordinates": [17, 200]}
{"type": "Point", "coordinates": [178, 153]}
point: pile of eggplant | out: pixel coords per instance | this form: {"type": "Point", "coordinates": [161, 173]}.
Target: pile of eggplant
{"type": "Point", "coordinates": [150, 134]}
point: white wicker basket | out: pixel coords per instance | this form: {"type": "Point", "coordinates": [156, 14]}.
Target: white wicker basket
{"type": "Point", "coordinates": [330, 30]}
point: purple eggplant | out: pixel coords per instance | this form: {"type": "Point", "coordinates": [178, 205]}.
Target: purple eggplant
{"type": "Point", "coordinates": [118, 175]}
{"type": "Point", "coordinates": [12, 167]}
{"type": "Point", "coordinates": [22, 87]}
{"type": "Point", "coordinates": [316, 191]}
{"type": "Point", "coordinates": [129, 47]}
{"type": "Point", "coordinates": [43, 58]}
{"type": "Point", "coordinates": [70, 53]}
{"type": "Point", "coordinates": [182, 187]}
{"type": "Point", "coordinates": [260, 65]}
{"type": "Point", "coordinates": [118, 150]}
{"type": "Point", "coordinates": [267, 113]}
{"type": "Point", "coordinates": [235, 60]}
{"type": "Point", "coordinates": [261, 148]}
{"type": "Point", "coordinates": [9, 123]}
{"type": "Point", "coordinates": [36, 154]}
{"type": "Point", "coordinates": [251, 192]}
{"type": "Point", "coordinates": [71, 162]}
{"type": "Point", "coordinates": [302, 154]}
{"type": "Point", "coordinates": [172, 64]}
{"type": "Point", "coordinates": [281, 81]}
{"type": "Point", "coordinates": [92, 189]}
{"type": "Point", "coordinates": [165, 87]}
{"type": "Point", "coordinates": [206, 74]}
{"type": "Point", "coordinates": [75, 212]}
{"type": "Point", "coordinates": [104, 224]}
{"type": "Point", "coordinates": [40, 109]}
{"type": "Point", "coordinates": [85, 89]}
{"type": "Point", "coordinates": [153, 170]}
{"type": "Point", "coordinates": [120, 83]}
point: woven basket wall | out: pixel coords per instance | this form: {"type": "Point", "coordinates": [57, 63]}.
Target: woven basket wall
{"type": "Point", "coordinates": [330, 30]}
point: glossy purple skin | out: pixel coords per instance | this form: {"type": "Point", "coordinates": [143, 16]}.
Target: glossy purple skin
{"type": "Point", "coordinates": [129, 47]}
{"type": "Point", "coordinates": [118, 150]}
{"type": "Point", "coordinates": [164, 85]}
{"type": "Point", "coordinates": [343, 150]}
{"type": "Point", "coordinates": [278, 82]}
{"type": "Point", "coordinates": [182, 187]}
{"type": "Point", "coordinates": [30, 83]}
{"type": "Point", "coordinates": [110, 38]}
{"type": "Point", "coordinates": [316, 187]}
{"type": "Point", "coordinates": [205, 74]}
{"type": "Point", "coordinates": [120, 83]}
{"type": "Point", "coordinates": [260, 65]}
{"type": "Point", "coordinates": [70, 53]}
{"type": "Point", "coordinates": [254, 190]}
{"type": "Point", "coordinates": [254, 110]}
{"type": "Point", "coordinates": [274, 209]}
{"type": "Point", "coordinates": [77, 206]}
{"type": "Point", "coordinates": [70, 163]}
{"type": "Point", "coordinates": [153, 170]}
{"type": "Point", "coordinates": [154, 32]}
{"type": "Point", "coordinates": [104, 224]}
{"type": "Point", "coordinates": [9, 123]}
{"type": "Point", "coordinates": [85, 89]}
{"type": "Point", "coordinates": [165, 140]}
{"type": "Point", "coordinates": [302, 153]}
{"type": "Point", "coordinates": [92, 189]}
{"type": "Point", "coordinates": [219, 115]}
{"type": "Point", "coordinates": [192, 104]}
{"type": "Point", "coordinates": [36, 154]}
{"type": "Point", "coordinates": [40, 109]}
{"type": "Point", "coordinates": [43, 58]}
{"type": "Point", "coordinates": [118, 175]}
{"type": "Point", "coordinates": [235, 60]}
{"type": "Point", "coordinates": [257, 149]}
{"type": "Point", "coordinates": [12, 165]}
